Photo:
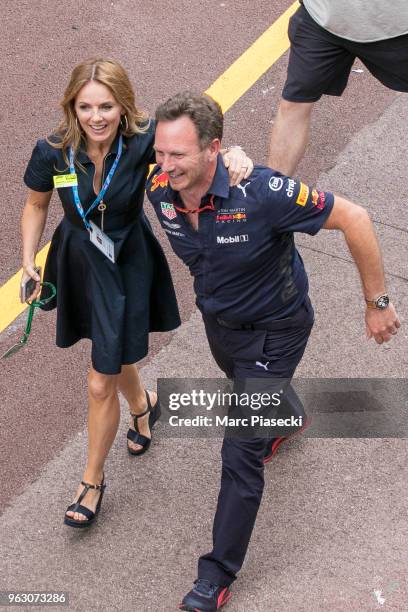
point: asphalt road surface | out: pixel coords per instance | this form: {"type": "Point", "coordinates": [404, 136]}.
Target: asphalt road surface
{"type": "Point", "coordinates": [332, 530]}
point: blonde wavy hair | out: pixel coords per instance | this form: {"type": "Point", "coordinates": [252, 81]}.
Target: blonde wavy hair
{"type": "Point", "coordinates": [115, 78]}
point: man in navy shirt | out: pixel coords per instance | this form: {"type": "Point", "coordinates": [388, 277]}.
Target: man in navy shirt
{"type": "Point", "coordinates": [252, 290]}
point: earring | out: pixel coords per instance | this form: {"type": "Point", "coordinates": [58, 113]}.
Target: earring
{"type": "Point", "coordinates": [126, 126]}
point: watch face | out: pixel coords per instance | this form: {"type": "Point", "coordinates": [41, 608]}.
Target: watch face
{"type": "Point", "coordinates": [383, 302]}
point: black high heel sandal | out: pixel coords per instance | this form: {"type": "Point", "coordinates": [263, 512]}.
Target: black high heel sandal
{"type": "Point", "coordinates": [77, 507]}
{"type": "Point", "coordinates": [138, 438]}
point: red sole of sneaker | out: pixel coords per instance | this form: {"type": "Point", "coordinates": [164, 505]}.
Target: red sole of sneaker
{"type": "Point", "coordinates": [225, 600]}
{"type": "Point", "coordinates": [223, 603]}
{"type": "Point", "coordinates": [279, 441]}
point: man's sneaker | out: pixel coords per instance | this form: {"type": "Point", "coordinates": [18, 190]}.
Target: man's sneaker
{"type": "Point", "coordinates": [205, 597]}
{"type": "Point", "coordinates": [275, 443]}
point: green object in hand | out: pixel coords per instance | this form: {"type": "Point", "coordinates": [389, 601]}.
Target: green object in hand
{"type": "Point", "coordinates": [34, 304]}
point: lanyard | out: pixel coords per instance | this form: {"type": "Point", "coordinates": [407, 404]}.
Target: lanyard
{"type": "Point", "coordinates": [102, 192]}
{"type": "Point", "coordinates": [208, 206]}
{"type": "Point", "coordinates": [36, 303]}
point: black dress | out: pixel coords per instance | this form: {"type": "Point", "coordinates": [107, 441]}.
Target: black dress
{"type": "Point", "coordinates": [113, 304]}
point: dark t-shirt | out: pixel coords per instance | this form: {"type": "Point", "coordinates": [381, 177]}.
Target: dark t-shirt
{"type": "Point", "coordinates": [243, 257]}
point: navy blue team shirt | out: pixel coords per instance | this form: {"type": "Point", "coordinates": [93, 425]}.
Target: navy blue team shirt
{"type": "Point", "coordinates": [243, 257]}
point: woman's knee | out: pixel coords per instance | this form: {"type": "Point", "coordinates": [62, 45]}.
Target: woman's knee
{"type": "Point", "coordinates": [101, 386]}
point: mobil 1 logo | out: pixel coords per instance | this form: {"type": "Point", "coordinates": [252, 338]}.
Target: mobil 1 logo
{"type": "Point", "coordinates": [232, 239]}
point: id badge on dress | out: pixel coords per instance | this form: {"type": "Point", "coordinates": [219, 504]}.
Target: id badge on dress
{"type": "Point", "coordinates": [102, 241]}
{"type": "Point", "coordinates": [65, 180]}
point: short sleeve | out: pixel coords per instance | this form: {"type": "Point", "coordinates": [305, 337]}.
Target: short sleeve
{"type": "Point", "coordinates": [40, 170]}
{"type": "Point", "coordinates": [293, 206]}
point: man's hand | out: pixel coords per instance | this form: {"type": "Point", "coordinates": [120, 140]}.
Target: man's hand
{"type": "Point", "coordinates": [381, 324]}
{"type": "Point", "coordinates": [239, 165]}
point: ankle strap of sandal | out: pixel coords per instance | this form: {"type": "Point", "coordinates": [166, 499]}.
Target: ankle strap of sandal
{"type": "Point", "coordinates": [148, 409]}
{"type": "Point", "coordinates": [88, 485]}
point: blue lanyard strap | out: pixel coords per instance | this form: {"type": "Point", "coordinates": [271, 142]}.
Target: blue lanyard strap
{"type": "Point", "coordinates": [102, 192]}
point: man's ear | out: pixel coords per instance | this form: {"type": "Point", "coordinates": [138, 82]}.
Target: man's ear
{"type": "Point", "coordinates": [213, 149]}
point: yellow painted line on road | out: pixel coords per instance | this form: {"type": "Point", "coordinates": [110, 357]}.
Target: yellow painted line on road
{"type": "Point", "coordinates": [227, 89]}
{"type": "Point", "coordinates": [253, 63]}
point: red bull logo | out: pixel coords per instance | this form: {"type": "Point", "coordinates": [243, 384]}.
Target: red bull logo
{"type": "Point", "coordinates": [160, 180]}
{"type": "Point", "coordinates": [233, 217]}
{"type": "Point", "coordinates": [318, 199]}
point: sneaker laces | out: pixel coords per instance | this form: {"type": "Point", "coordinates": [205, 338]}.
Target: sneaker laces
{"type": "Point", "coordinates": [205, 587]}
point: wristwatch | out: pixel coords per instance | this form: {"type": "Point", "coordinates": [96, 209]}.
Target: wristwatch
{"type": "Point", "coordinates": [381, 302]}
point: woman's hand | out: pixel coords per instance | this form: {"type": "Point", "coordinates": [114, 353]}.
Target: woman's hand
{"type": "Point", "coordinates": [30, 272]}
{"type": "Point", "coordinates": [239, 165]}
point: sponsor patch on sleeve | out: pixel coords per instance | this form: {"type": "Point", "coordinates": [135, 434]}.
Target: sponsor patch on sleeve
{"type": "Point", "coordinates": [318, 199]}
{"type": "Point", "coordinates": [275, 183]}
{"type": "Point", "coordinates": [303, 195]}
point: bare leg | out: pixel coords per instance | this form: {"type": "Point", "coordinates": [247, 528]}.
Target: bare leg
{"type": "Point", "coordinates": [103, 422]}
{"type": "Point", "coordinates": [290, 135]}
{"type": "Point", "coordinates": [131, 386]}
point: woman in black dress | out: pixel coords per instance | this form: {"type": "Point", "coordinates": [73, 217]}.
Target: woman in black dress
{"type": "Point", "coordinates": [112, 278]}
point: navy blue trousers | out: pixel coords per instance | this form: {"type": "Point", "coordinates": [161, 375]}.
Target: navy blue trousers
{"type": "Point", "coordinates": [272, 354]}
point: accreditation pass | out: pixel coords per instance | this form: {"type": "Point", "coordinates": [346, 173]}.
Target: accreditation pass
{"type": "Point", "coordinates": [102, 241]}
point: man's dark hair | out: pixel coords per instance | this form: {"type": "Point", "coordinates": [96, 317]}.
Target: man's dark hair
{"type": "Point", "coordinates": [204, 112]}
